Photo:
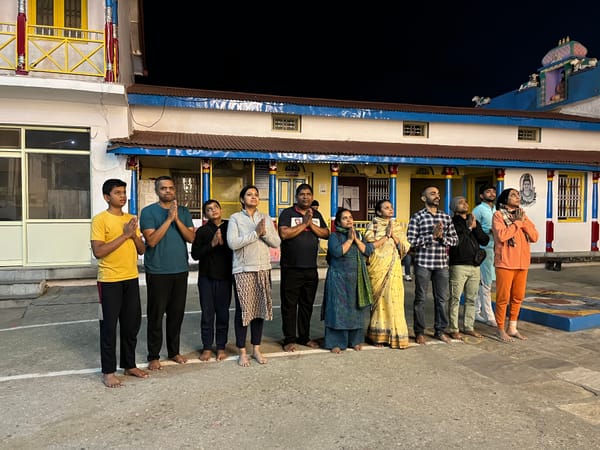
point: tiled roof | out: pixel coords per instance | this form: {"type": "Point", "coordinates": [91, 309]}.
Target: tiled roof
{"type": "Point", "coordinates": [151, 139]}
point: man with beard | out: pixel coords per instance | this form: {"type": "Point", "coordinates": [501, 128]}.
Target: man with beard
{"type": "Point", "coordinates": [431, 233]}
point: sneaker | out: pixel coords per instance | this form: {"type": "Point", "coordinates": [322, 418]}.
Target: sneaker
{"type": "Point", "coordinates": [407, 278]}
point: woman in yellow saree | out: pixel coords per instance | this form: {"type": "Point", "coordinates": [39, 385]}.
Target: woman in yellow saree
{"type": "Point", "coordinates": [387, 326]}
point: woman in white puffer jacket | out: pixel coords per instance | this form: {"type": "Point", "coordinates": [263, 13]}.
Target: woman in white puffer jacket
{"type": "Point", "coordinates": [250, 234]}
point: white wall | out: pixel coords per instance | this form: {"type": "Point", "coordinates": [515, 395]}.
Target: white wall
{"type": "Point", "coordinates": [568, 237]}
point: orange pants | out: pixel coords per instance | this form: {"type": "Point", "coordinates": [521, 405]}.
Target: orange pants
{"type": "Point", "coordinates": [510, 289]}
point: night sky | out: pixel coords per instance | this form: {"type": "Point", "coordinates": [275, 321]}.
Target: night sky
{"type": "Point", "coordinates": [403, 52]}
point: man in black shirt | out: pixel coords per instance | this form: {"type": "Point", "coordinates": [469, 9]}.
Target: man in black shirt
{"type": "Point", "coordinates": [300, 228]}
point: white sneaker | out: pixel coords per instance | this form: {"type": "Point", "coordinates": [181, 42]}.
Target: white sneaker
{"type": "Point", "coordinates": [407, 278]}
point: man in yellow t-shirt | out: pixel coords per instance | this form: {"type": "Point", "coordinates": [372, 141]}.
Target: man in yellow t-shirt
{"type": "Point", "coordinates": [116, 242]}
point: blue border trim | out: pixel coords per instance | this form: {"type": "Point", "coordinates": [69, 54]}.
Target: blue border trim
{"type": "Point", "coordinates": [510, 119]}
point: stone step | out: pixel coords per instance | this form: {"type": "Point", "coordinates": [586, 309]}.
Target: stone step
{"type": "Point", "coordinates": [22, 289]}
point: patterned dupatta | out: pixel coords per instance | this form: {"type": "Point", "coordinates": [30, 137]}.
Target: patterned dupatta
{"type": "Point", "coordinates": [509, 219]}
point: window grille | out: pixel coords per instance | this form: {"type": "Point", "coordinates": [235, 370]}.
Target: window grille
{"type": "Point", "coordinates": [188, 192]}
{"type": "Point", "coordinates": [529, 134]}
{"type": "Point", "coordinates": [377, 189]}
{"type": "Point", "coordinates": [415, 129]}
{"type": "Point", "coordinates": [285, 122]}
{"type": "Point", "coordinates": [570, 197]}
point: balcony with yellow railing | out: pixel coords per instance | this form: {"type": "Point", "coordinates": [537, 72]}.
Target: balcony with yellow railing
{"type": "Point", "coordinates": [68, 51]}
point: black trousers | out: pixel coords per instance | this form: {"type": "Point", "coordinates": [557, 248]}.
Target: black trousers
{"type": "Point", "coordinates": [119, 303]}
{"type": "Point", "coordinates": [241, 331]}
{"type": "Point", "coordinates": [215, 300]}
{"type": "Point", "coordinates": [298, 291]}
{"type": "Point", "coordinates": [166, 295]}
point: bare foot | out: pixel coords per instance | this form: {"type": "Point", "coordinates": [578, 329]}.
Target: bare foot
{"type": "Point", "coordinates": [243, 360]}
{"type": "Point", "coordinates": [221, 355]}
{"type": "Point", "coordinates": [379, 345]}
{"type": "Point", "coordinates": [456, 335]}
{"type": "Point", "coordinates": [179, 359]}
{"type": "Point", "coordinates": [258, 356]}
{"type": "Point", "coordinates": [110, 380]}
{"type": "Point", "coordinates": [136, 372]}
{"type": "Point", "coordinates": [336, 350]}
{"type": "Point", "coordinates": [312, 344]}
{"type": "Point", "coordinates": [357, 347]}
{"type": "Point", "coordinates": [473, 333]}
{"type": "Point", "coordinates": [205, 355]}
{"type": "Point", "coordinates": [503, 336]}
{"type": "Point", "coordinates": [154, 365]}
{"type": "Point", "coordinates": [516, 334]}
{"type": "Point", "coordinates": [444, 338]}
{"type": "Point", "coordinates": [420, 339]}
{"type": "Point", "coordinates": [291, 347]}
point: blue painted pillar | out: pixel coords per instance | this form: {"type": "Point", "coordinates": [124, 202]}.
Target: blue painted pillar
{"type": "Point", "coordinates": [205, 180]}
{"type": "Point", "coordinates": [335, 171]}
{"type": "Point", "coordinates": [500, 181]}
{"type": "Point", "coordinates": [393, 169]}
{"type": "Point", "coordinates": [448, 172]}
{"type": "Point", "coordinates": [132, 164]}
{"type": "Point", "coordinates": [273, 189]}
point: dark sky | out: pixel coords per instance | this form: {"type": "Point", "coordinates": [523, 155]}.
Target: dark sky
{"type": "Point", "coordinates": [406, 52]}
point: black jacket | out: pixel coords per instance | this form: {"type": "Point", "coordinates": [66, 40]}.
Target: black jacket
{"type": "Point", "coordinates": [468, 242]}
{"type": "Point", "coordinates": [213, 262]}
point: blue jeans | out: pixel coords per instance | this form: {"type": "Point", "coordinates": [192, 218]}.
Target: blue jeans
{"type": "Point", "coordinates": [440, 283]}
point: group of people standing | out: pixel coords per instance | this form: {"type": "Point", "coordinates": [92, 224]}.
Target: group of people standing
{"type": "Point", "coordinates": [459, 255]}
{"type": "Point", "coordinates": [365, 273]}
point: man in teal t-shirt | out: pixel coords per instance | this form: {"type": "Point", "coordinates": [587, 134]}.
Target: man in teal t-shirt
{"type": "Point", "coordinates": [167, 229]}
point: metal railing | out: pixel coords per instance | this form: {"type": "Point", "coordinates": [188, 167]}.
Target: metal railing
{"type": "Point", "coordinates": [8, 46]}
{"type": "Point", "coordinates": [72, 51]}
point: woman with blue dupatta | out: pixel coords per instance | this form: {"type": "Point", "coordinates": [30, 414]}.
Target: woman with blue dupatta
{"type": "Point", "coordinates": [347, 287]}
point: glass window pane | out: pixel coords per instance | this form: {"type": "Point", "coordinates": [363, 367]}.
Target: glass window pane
{"type": "Point", "coordinates": [45, 12]}
{"type": "Point", "coordinates": [10, 189]}
{"type": "Point", "coordinates": [73, 13]}
{"type": "Point", "coordinates": [64, 140]}
{"type": "Point", "coordinates": [59, 186]}
{"type": "Point", "coordinates": [10, 138]}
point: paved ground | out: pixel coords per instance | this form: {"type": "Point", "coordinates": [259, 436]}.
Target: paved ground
{"type": "Point", "coordinates": [539, 393]}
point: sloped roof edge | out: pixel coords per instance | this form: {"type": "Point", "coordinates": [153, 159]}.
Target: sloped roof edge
{"type": "Point", "coordinates": [312, 148]}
